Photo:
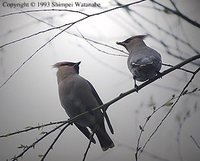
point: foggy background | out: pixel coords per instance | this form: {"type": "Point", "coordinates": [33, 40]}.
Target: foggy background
{"type": "Point", "coordinates": [30, 97]}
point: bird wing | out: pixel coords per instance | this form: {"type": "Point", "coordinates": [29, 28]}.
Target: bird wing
{"type": "Point", "coordinates": [85, 131]}
{"type": "Point", "coordinates": [101, 103]}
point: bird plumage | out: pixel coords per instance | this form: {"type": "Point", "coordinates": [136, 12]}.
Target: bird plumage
{"type": "Point", "coordinates": [143, 62]}
{"type": "Point", "coordinates": [77, 95]}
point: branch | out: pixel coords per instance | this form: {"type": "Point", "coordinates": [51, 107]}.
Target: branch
{"type": "Point", "coordinates": [165, 31]}
{"type": "Point", "coordinates": [88, 147]}
{"type": "Point", "coordinates": [31, 128]}
{"type": "Point", "coordinates": [169, 65]}
{"type": "Point", "coordinates": [105, 52]}
{"type": "Point", "coordinates": [163, 43]}
{"type": "Point", "coordinates": [151, 155]}
{"type": "Point", "coordinates": [87, 39]}
{"type": "Point", "coordinates": [41, 10]}
{"type": "Point", "coordinates": [173, 105]}
{"type": "Point", "coordinates": [32, 35]}
{"type": "Point", "coordinates": [155, 110]}
{"type": "Point", "coordinates": [37, 141]}
{"type": "Point", "coordinates": [30, 57]}
{"type": "Point", "coordinates": [51, 146]}
{"type": "Point", "coordinates": [179, 14]}
{"type": "Point", "coordinates": [196, 143]}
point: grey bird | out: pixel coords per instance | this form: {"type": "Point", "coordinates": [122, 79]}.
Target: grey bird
{"type": "Point", "coordinates": [77, 95]}
{"type": "Point", "coordinates": [143, 62]}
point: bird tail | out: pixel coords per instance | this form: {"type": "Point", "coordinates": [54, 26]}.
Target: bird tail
{"type": "Point", "coordinates": [104, 139]}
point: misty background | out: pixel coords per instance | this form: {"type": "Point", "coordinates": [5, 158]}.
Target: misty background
{"type": "Point", "coordinates": [30, 97]}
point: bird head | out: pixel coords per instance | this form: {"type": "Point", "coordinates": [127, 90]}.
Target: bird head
{"type": "Point", "coordinates": [68, 65]}
{"type": "Point", "coordinates": [66, 69]}
{"type": "Point", "coordinates": [132, 42]}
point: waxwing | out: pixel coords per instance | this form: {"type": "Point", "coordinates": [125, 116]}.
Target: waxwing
{"type": "Point", "coordinates": [143, 62]}
{"type": "Point", "coordinates": [77, 95]}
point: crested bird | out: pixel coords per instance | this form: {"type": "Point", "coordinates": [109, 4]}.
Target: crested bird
{"type": "Point", "coordinates": [77, 95]}
{"type": "Point", "coordinates": [143, 62]}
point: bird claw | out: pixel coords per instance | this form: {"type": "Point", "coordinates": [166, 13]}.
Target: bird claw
{"type": "Point", "coordinates": [135, 86]}
{"type": "Point", "coordinates": [159, 74]}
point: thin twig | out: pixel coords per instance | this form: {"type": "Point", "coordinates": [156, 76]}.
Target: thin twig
{"type": "Point", "coordinates": [164, 44]}
{"type": "Point", "coordinates": [51, 146]}
{"type": "Point", "coordinates": [41, 10]}
{"type": "Point", "coordinates": [32, 128]}
{"type": "Point", "coordinates": [161, 122]}
{"type": "Point", "coordinates": [196, 143]}
{"type": "Point", "coordinates": [179, 14]}
{"type": "Point", "coordinates": [166, 32]}
{"type": "Point", "coordinates": [153, 156]}
{"type": "Point", "coordinates": [88, 147]}
{"type": "Point", "coordinates": [87, 39]}
{"type": "Point", "coordinates": [183, 69]}
{"type": "Point", "coordinates": [37, 141]}
{"type": "Point", "coordinates": [30, 57]}
{"type": "Point", "coordinates": [102, 51]}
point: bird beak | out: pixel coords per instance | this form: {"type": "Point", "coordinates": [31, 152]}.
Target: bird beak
{"type": "Point", "coordinates": [120, 43]}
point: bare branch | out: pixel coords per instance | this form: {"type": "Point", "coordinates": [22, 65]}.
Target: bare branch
{"type": "Point", "coordinates": [179, 14]}
{"type": "Point", "coordinates": [32, 128]}
{"type": "Point", "coordinates": [163, 43]}
{"type": "Point", "coordinates": [105, 52]}
{"type": "Point", "coordinates": [173, 105]}
{"type": "Point", "coordinates": [155, 110]}
{"type": "Point", "coordinates": [153, 156]}
{"type": "Point", "coordinates": [88, 147]}
{"type": "Point", "coordinates": [51, 146]}
{"type": "Point", "coordinates": [37, 141]}
{"type": "Point", "coordinates": [41, 10]}
{"type": "Point", "coordinates": [32, 35]}
{"type": "Point", "coordinates": [30, 57]}
{"type": "Point", "coordinates": [169, 65]}
{"type": "Point", "coordinates": [87, 39]}
{"type": "Point", "coordinates": [166, 32]}
{"type": "Point", "coordinates": [195, 142]}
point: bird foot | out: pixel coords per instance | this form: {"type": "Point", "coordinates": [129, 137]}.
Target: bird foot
{"type": "Point", "coordinates": [136, 88]}
{"type": "Point", "coordinates": [159, 74]}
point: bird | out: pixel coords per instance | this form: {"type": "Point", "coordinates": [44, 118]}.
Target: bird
{"type": "Point", "coordinates": [143, 62]}
{"type": "Point", "coordinates": [77, 95]}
